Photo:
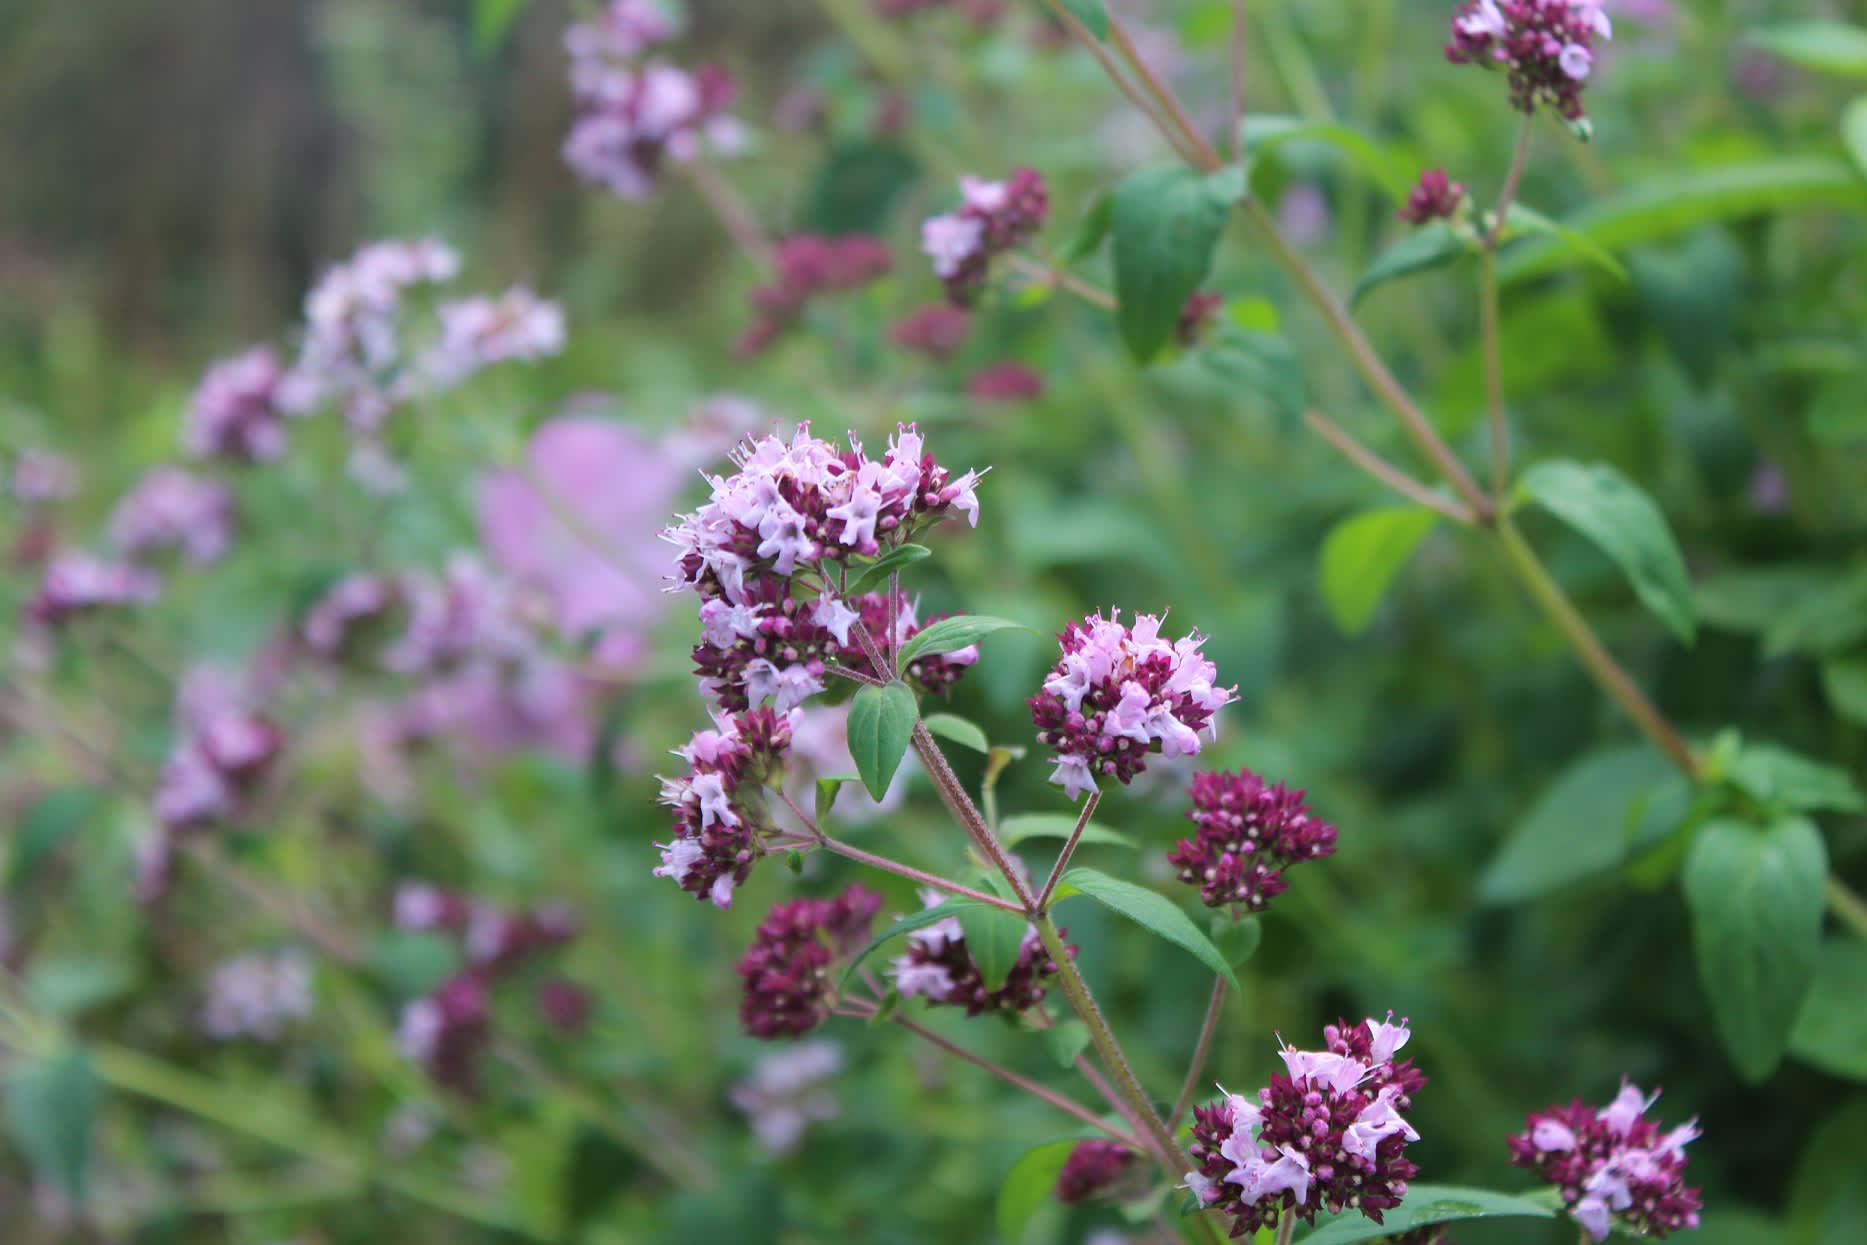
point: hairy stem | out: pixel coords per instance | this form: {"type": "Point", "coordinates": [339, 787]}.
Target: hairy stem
{"type": "Point", "coordinates": [1214, 1006]}
{"type": "Point", "coordinates": [920, 876]}
{"type": "Point", "coordinates": [1384, 471]}
{"type": "Point", "coordinates": [1069, 849]}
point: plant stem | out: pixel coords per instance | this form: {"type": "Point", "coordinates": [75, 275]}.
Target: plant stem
{"type": "Point", "coordinates": [1286, 1229]}
{"type": "Point", "coordinates": [1550, 598]}
{"type": "Point", "coordinates": [921, 876]}
{"type": "Point", "coordinates": [1204, 156]}
{"type": "Point", "coordinates": [732, 211]}
{"type": "Point", "coordinates": [1519, 160]}
{"type": "Point", "coordinates": [1494, 374]}
{"type": "Point", "coordinates": [1214, 1006]}
{"type": "Point", "coordinates": [1847, 905]}
{"type": "Point", "coordinates": [1059, 279]}
{"type": "Point", "coordinates": [1385, 471]}
{"type": "Point", "coordinates": [1147, 109]}
{"type": "Point", "coordinates": [1069, 849]}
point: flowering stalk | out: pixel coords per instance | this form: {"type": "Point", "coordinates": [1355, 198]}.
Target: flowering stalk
{"type": "Point", "coordinates": [1069, 849]}
{"type": "Point", "coordinates": [1214, 1006]}
{"type": "Point", "coordinates": [1488, 315]}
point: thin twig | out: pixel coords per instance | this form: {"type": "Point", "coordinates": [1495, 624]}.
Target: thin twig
{"type": "Point", "coordinates": [920, 876]}
{"type": "Point", "coordinates": [1204, 156]}
{"type": "Point", "coordinates": [1383, 470]}
{"type": "Point", "coordinates": [1846, 904]}
{"type": "Point", "coordinates": [1059, 279]}
{"type": "Point", "coordinates": [1519, 160]}
{"type": "Point", "coordinates": [732, 212]}
{"type": "Point", "coordinates": [1136, 97]}
{"type": "Point", "coordinates": [1069, 849]}
{"type": "Point", "coordinates": [1214, 1006]}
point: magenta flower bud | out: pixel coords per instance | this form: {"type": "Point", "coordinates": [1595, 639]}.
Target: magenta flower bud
{"type": "Point", "coordinates": [994, 217]}
{"type": "Point", "coordinates": [1196, 316]}
{"type": "Point", "coordinates": [1613, 1165]}
{"type": "Point", "coordinates": [936, 331]}
{"type": "Point", "coordinates": [335, 627]}
{"type": "Point", "coordinates": [720, 817]}
{"type": "Point", "coordinates": [807, 266]}
{"type": "Point", "coordinates": [446, 1031]}
{"type": "Point", "coordinates": [1433, 198]}
{"type": "Point", "coordinates": [789, 986]}
{"type": "Point", "coordinates": [1094, 1168]}
{"type": "Point", "coordinates": [1249, 833]}
{"type": "Point", "coordinates": [1006, 382]}
{"type": "Point", "coordinates": [565, 1005]}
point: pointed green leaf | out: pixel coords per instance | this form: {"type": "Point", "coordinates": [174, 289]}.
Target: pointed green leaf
{"type": "Point", "coordinates": [1527, 222]}
{"type": "Point", "coordinates": [881, 724]}
{"type": "Point", "coordinates": [1424, 1204]}
{"type": "Point", "coordinates": [1091, 14]}
{"type": "Point", "coordinates": [874, 577]}
{"type": "Point", "coordinates": [950, 634]}
{"type": "Point", "coordinates": [957, 730]}
{"type": "Point", "coordinates": [1153, 912]}
{"type": "Point", "coordinates": [1093, 228]}
{"type": "Point", "coordinates": [828, 788]}
{"type": "Point", "coordinates": [1756, 902]}
{"type": "Point", "coordinates": [1621, 521]}
{"type": "Point", "coordinates": [1166, 224]}
{"type": "Point", "coordinates": [1831, 1029]}
{"type": "Point", "coordinates": [993, 937]}
{"type": "Point", "coordinates": [1432, 245]}
{"type": "Point", "coordinates": [907, 925]}
{"type": "Point", "coordinates": [1014, 830]}
{"type": "Point", "coordinates": [1786, 781]}
{"type": "Point", "coordinates": [1027, 1188]}
{"type": "Point", "coordinates": [1578, 827]}
{"type": "Point", "coordinates": [1838, 48]}
{"type": "Point", "coordinates": [1263, 133]}
{"type": "Point", "coordinates": [1066, 1040]}
{"type": "Point", "coordinates": [50, 1111]}
{"type": "Point", "coordinates": [1362, 554]}
{"type": "Point", "coordinates": [1237, 940]}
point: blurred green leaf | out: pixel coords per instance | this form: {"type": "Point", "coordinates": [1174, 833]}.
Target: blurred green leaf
{"type": "Point", "coordinates": [47, 823]}
{"type": "Point", "coordinates": [1827, 1197]}
{"type": "Point", "coordinates": [881, 723]}
{"type": "Point", "coordinates": [1789, 782]}
{"type": "Point", "coordinates": [1838, 48]}
{"type": "Point", "coordinates": [1751, 599]}
{"type": "Point", "coordinates": [1756, 902]}
{"type": "Point", "coordinates": [957, 730]}
{"type": "Point", "coordinates": [907, 925]}
{"type": "Point", "coordinates": [1153, 912]}
{"type": "Point", "coordinates": [993, 937]}
{"type": "Point", "coordinates": [1686, 199]}
{"type": "Point", "coordinates": [1432, 245]}
{"type": "Point", "coordinates": [1027, 1186]}
{"type": "Point", "coordinates": [50, 1108]}
{"type": "Point", "coordinates": [492, 19]}
{"type": "Point", "coordinates": [1091, 14]}
{"type": "Point", "coordinates": [1854, 131]}
{"type": "Point", "coordinates": [1424, 1204]}
{"type": "Point", "coordinates": [68, 985]}
{"type": "Point", "coordinates": [1621, 521]}
{"type": "Point", "coordinates": [413, 963]}
{"type": "Point", "coordinates": [1090, 231]}
{"type": "Point", "coordinates": [1015, 830]}
{"type": "Point", "coordinates": [1577, 828]}
{"type": "Point", "coordinates": [951, 634]}
{"type": "Point", "coordinates": [1065, 1040]}
{"type": "Point", "coordinates": [1831, 1030]}
{"type": "Point", "coordinates": [1166, 224]}
{"type": "Point", "coordinates": [1826, 618]}
{"type": "Point", "coordinates": [1845, 683]}
{"type": "Point", "coordinates": [857, 185]}
{"type": "Point", "coordinates": [1259, 362]}
{"type": "Point", "coordinates": [1362, 554]}
{"type": "Point", "coordinates": [874, 577]}
{"type": "Point", "coordinates": [1238, 941]}
{"type": "Point", "coordinates": [1263, 133]}
{"type": "Point", "coordinates": [1527, 222]}
{"type": "Point", "coordinates": [1693, 291]}
{"type": "Point", "coordinates": [827, 790]}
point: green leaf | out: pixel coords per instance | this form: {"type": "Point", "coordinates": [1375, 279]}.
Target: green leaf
{"type": "Point", "coordinates": [1432, 245]}
{"type": "Point", "coordinates": [1259, 362]}
{"type": "Point", "coordinates": [1014, 830]}
{"type": "Point", "coordinates": [1621, 521]}
{"type": "Point", "coordinates": [413, 963]}
{"type": "Point", "coordinates": [1066, 1040]}
{"type": "Point", "coordinates": [876, 574]}
{"type": "Point", "coordinates": [1238, 941]}
{"type": "Point", "coordinates": [953, 633]}
{"type": "Point", "coordinates": [1827, 1202]}
{"type": "Point", "coordinates": [1264, 133]}
{"type": "Point", "coordinates": [491, 20]}
{"type": "Point", "coordinates": [1091, 14]}
{"type": "Point", "coordinates": [1788, 782]}
{"type": "Point", "coordinates": [1166, 223]}
{"type": "Point", "coordinates": [827, 790]}
{"type": "Point", "coordinates": [71, 984]}
{"type": "Point", "coordinates": [1153, 912]}
{"type": "Point", "coordinates": [1756, 902]}
{"type": "Point", "coordinates": [1362, 554]}
{"type": "Point", "coordinates": [1424, 1204]}
{"type": "Point", "coordinates": [1090, 232]}
{"type": "Point", "coordinates": [1826, 620]}
{"type": "Point", "coordinates": [857, 186]}
{"type": "Point", "coordinates": [1685, 199]}
{"type": "Point", "coordinates": [1027, 1188]}
{"type": "Point", "coordinates": [908, 924]}
{"type": "Point", "coordinates": [957, 730]}
{"type": "Point", "coordinates": [993, 937]}
{"type": "Point", "coordinates": [881, 724]}
{"type": "Point", "coordinates": [50, 1111]}
{"type": "Point", "coordinates": [1831, 1030]}
{"type": "Point", "coordinates": [1854, 131]}
{"type": "Point", "coordinates": [1826, 47]}
{"type": "Point", "coordinates": [1751, 599]}
{"type": "Point", "coordinates": [1579, 827]}
{"type": "Point", "coordinates": [1526, 222]}
{"type": "Point", "coordinates": [1845, 684]}
{"type": "Point", "coordinates": [52, 818]}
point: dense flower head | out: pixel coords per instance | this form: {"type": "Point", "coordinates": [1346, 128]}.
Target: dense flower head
{"type": "Point", "coordinates": [234, 413]}
{"type": "Point", "coordinates": [1249, 833]}
{"type": "Point", "coordinates": [174, 509]}
{"type": "Point", "coordinates": [994, 218]}
{"type": "Point", "coordinates": [1546, 47]}
{"type": "Point", "coordinates": [788, 983]}
{"type": "Point", "coordinates": [80, 583]}
{"type": "Point", "coordinates": [937, 967]}
{"type": "Point", "coordinates": [1433, 197]}
{"type": "Point", "coordinates": [1613, 1165]}
{"type": "Point", "coordinates": [1120, 693]}
{"type": "Point", "coordinates": [788, 1091]}
{"type": "Point", "coordinates": [478, 332]}
{"type": "Point", "coordinates": [1005, 382]}
{"type": "Point", "coordinates": [1094, 1167]}
{"type": "Point", "coordinates": [720, 813]}
{"type": "Point", "coordinates": [354, 332]}
{"type": "Point", "coordinates": [224, 748]}
{"type": "Point", "coordinates": [805, 266]}
{"type": "Point", "coordinates": [467, 611]}
{"type": "Point", "coordinates": [936, 331]}
{"type": "Point", "coordinates": [445, 1031]}
{"type": "Point", "coordinates": [1326, 1134]}
{"type": "Point", "coordinates": [257, 996]}
{"type": "Point", "coordinates": [637, 116]}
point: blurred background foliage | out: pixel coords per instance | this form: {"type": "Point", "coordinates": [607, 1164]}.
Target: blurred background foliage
{"type": "Point", "coordinates": [177, 173]}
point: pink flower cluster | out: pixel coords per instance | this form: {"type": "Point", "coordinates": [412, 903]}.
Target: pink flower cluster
{"type": "Point", "coordinates": [1434, 197]}
{"type": "Point", "coordinates": [1094, 1167]}
{"type": "Point", "coordinates": [994, 218]}
{"type": "Point", "coordinates": [1328, 1135]}
{"type": "Point", "coordinates": [78, 583]}
{"type": "Point", "coordinates": [805, 266]}
{"type": "Point", "coordinates": [634, 116]}
{"type": "Point", "coordinates": [235, 413]}
{"type": "Point", "coordinates": [257, 996]}
{"type": "Point", "coordinates": [478, 332]}
{"type": "Point", "coordinates": [226, 747]}
{"type": "Point", "coordinates": [1613, 1165]}
{"type": "Point", "coordinates": [174, 509]}
{"type": "Point", "coordinates": [1545, 46]}
{"type": "Point", "coordinates": [720, 815]}
{"type": "Point", "coordinates": [446, 1030]}
{"type": "Point", "coordinates": [1120, 693]}
{"type": "Point", "coordinates": [1249, 833]}
{"type": "Point", "coordinates": [787, 971]}
{"type": "Point", "coordinates": [937, 967]}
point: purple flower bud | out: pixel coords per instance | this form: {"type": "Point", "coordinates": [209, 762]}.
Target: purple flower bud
{"type": "Point", "coordinates": [1095, 1167]}
{"type": "Point", "coordinates": [1433, 198]}
{"type": "Point", "coordinates": [1249, 833]}
{"type": "Point", "coordinates": [936, 332]}
{"type": "Point", "coordinates": [565, 1005]}
{"type": "Point", "coordinates": [78, 583]}
{"type": "Point", "coordinates": [789, 987]}
{"type": "Point", "coordinates": [1006, 382]}
{"type": "Point", "coordinates": [808, 265]}
{"type": "Point", "coordinates": [937, 967]}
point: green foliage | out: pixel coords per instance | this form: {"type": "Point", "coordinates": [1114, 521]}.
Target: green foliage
{"type": "Point", "coordinates": [1027, 1188]}
{"type": "Point", "coordinates": [1831, 1030]}
{"type": "Point", "coordinates": [993, 937]}
{"type": "Point", "coordinates": [881, 724]}
{"type": "Point", "coordinates": [1425, 1204]}
{"type": "Point", "coordinates": [1756, 900]}
{"type": "Point", "coordinates": [1828, 47]}
{"type": "Point", "coordinates": [1362, 554]}
{"type": "Point", "coordinates": [1433, 245]}
{"type": "Point", "coordinates": [50, 1109]}
{"type": "Point", "coordinates": [1578, 828]}
{"type": "Point", "coordinates": [957, 730]}
{"type": "Point", "coordinates": [1152, 912]}
{"type": "Point", "coordinates": [1165, 224]}
{"type": "Point", "coordinates": [1015, 830]}
{"type": "Point", "coordinates": [960, 631]}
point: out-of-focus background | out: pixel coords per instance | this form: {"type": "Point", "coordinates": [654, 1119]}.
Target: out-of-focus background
{"type": "Point", "coordinates": [176, 174]}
